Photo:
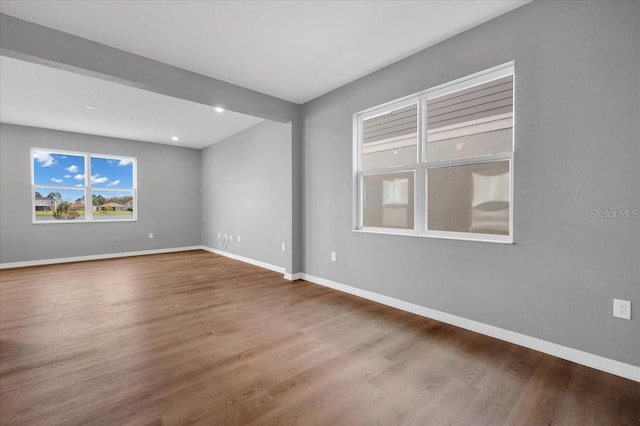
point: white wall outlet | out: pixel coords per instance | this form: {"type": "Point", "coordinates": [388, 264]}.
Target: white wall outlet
{"type": "Point", "coordinates": [283, 247]}
{"type": "Point", "coordinates": [151, 235]}
{"type": "Point", "coordinates": [622, 309]}
{"type": "Point", "coordinates": [334, 256]}
{"type": "Point", "coordinates": [218, 235]}
{"type": "Point", "coordinates": [238, 238]}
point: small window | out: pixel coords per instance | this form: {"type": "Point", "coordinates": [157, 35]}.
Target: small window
{"type": "Point", "coordinates": [439, 163]}
{"type": "Point", "coordinates": [76, 187]}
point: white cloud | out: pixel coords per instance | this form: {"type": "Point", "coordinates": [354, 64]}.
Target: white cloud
{"type": "Point", "coordinates": [80, 185]}
{"type": "Point", "coordinates": [78, 177]}
{"type": "Point", "coordinates": [124, 162]}
{"type": "Point", "coordinates": [114, 183]}
{"type": "Point", "coordinates": [72, 168]}
{"type": "Point", "coordinates": [96, 179]}
{"type": "Point", "coordinates": [67, 176]}
{"type": "Point", "coordinates": [44, 158]}
{"type": "Point", "coordinates": [56, 180]}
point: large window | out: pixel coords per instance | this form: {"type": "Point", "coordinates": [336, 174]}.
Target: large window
{"type": "Point", "coordinates": [439, 163]}
{"type": "Point", "coordinates": [70, 187]}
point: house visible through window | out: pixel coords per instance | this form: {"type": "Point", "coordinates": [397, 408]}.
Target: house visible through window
{"type": "Point", "coordinates": [439, 163]}
{"type": "Point", "coordinates": [72, 187]}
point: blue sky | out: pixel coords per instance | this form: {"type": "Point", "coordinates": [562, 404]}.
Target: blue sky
{"type": "Point", "coordinates": [67, 170]}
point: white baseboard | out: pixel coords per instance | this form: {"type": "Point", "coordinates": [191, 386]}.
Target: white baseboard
{"type": "Point", "coordinates": [294, 277]}
{"type": "Point", "coordinates": [598, 362]}
{"type": "Point", "coordinates": [93, 257]}
{"type": "Point", "coordinates": [280, 269]}
{"type": "Point", "coordinates": [154, 251]}
{"type": "Point", "coordinates": [254, 262]}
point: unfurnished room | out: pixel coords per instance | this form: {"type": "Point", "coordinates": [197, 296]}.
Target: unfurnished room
{"type": "Point", "coordinates": [320, 212]}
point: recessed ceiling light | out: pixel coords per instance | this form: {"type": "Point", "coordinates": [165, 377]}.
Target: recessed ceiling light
{"type": "Point", "coordinates": [175, 138]}
{"type": "Point", "coordinates": [219, 109]}
{"type": "Point", "coordinates": [90, 107]}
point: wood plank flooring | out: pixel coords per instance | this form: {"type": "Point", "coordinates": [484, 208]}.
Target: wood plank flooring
{"type": "Point", "coordinates": [196, 338]}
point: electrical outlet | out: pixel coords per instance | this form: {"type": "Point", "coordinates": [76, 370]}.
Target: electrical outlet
{"type": "Point", "coordinates": [151, 235]}
{"type": "Point", "coordinates": [218, 235]}
{"type": "Point", "coordinates": [334, 257]}
{"type": "Point", "coordinates": [622, 309]}
{"type": "Point", "coordinates": [283, 247]}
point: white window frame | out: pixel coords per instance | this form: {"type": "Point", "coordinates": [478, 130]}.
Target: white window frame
{"type": "Point", "coordinates": [423, 165]}
{"type": "Point", "coordinates": [88, 190]}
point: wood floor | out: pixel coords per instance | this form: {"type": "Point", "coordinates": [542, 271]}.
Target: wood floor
{"type": "Point", "coordinates": [196, 338]}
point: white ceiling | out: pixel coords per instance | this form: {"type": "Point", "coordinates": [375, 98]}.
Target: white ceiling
{"type": "Point", "coordinates": [294, 50]}
{"type": "Point", "coordinates": [41, 96]}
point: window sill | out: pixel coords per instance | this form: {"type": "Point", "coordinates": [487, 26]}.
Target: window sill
{"type": "Point", "coordinates": [49, 222]}
{"type": "Point", "coordinates": [443, 235]}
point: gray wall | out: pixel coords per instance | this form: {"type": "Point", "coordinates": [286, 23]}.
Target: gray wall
{"type": "Point", "coordinates": [246, 191]}
{"type": "Point", "coordinates": [577, 148]}
{"type": "Point", "coordinates": [168, 199]}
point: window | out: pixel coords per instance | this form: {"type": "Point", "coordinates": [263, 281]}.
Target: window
{"type": "Point", "coordinates": [72, 187]}
{"type": "Point", "coordinates": [439, 163]}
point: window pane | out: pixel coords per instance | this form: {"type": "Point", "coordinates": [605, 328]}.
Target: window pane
{"type": "Point", "coordinates": [390, 140]}
{"type": "Point", "coordinates": [471, 122]}
{"type": "Point", "coordinates": [112, 205]}
{"type": "Point", "coordinates": [470, 198]}
{"type": "Point", "coordinates": [56, 169]}
{"type": "Point", "coordinates": [59, 204]}
{"type": "Point", "coordinates": [388, 200]}
{"type": "Point", "coordinates": [111, 172]}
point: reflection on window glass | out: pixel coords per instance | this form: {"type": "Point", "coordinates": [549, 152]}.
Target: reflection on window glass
{"type": "Point", "coordinates": [388, 200]}
{"type": "Point", "coordinates": [395, 191]}
{"type": "Point", "coordinates": [390, 140]}
{"type": "Point", "coordinates": [470, 198]}
{"type": "Point", "coordinates": [471, 122]}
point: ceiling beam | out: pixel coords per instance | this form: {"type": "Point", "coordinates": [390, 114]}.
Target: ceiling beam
{"type": "Point", "coordinates": [30, 42]}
